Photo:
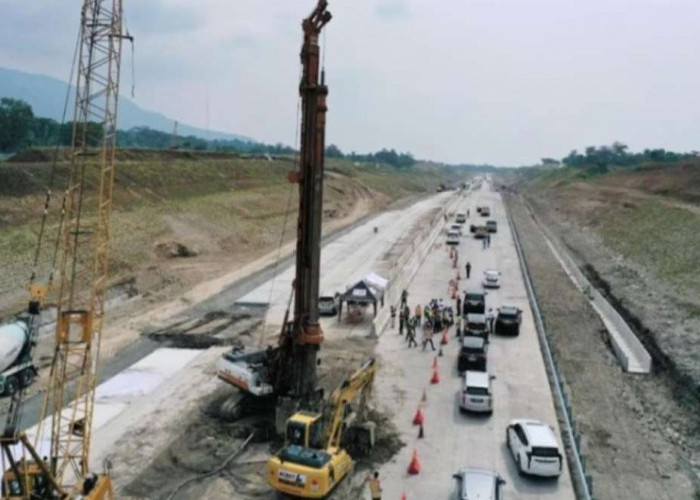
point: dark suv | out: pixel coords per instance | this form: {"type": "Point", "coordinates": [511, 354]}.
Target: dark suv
{"type": "Point", "coordinates": [508, 321]}
{"type": "Point", "coordinates": [474, 302]}
{"type": "Point", "coordinates": [472, 354]}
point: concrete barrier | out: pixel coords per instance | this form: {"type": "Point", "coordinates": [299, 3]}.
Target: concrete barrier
{"type": "Point", "coordinates": [403, 270]}
{"type": "Point", "coordinates": [632, 355]}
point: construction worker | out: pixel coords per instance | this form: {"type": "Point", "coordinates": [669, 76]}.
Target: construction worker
{"type": "Point", "coordinates": [428, 337]}
{"type": "Point", "coordinates": [490, 319]}
{"type": "Point", "coordinates": [411, 332]}
{"type": "Point", "coordinates": [402, 321]}
{"type": "Point", "coordinates": [458, 326]}
{"type": "Point", "coordinates": [419, 314]}
{"type": "Point", "coordinates": [467, 213]}
{"type": "Point", "coordinates": [459, 305]}
{"type": "Point", "coordinates": [404, 297]}
{"type": "Point", "coordinates": [393, 316]}
{"type": "Point", "coordinates": [468, 269]}
{"type": "Point", "coordinates": [375, 487]}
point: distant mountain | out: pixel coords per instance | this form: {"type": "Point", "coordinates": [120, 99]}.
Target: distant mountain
{"type": "Point", "coordinates": [46, 95]}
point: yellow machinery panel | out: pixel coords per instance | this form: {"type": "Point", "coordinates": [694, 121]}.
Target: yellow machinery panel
{"type": "Point", "coordinates": [308, 481]}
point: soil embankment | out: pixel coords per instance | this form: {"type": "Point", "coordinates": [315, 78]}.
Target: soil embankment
{"type": "Point", "coordinates": [632, 234]}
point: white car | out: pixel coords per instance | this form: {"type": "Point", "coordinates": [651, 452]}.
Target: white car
{"type": "Point", "coordinates": [492, 279]}
{"type": "Point", "coordinates": [452, 238]}
{"type": "Point", "coordinates": [478, 484]}
{"type": "Point", "coordinates": [461, 218]}
{"type": "Point", "coordinates": [477, 395]}
{"type": "Point", "coordinates": [457, 228]}
{"type": "Point", "coordinates": [534, 448]}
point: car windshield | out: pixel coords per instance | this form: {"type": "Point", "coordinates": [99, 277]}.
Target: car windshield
{"type": "Point", "coordinates": [477, 485]}
{"type": "Point", "coordinates": [474, 296]}
{"type": "Point", "coordinates": [476, 326]}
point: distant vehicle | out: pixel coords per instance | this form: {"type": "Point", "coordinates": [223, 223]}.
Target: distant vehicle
{"type": "Point", "coordinates": [480, 232]}
{"type": "Point", "coordinates": [457, 228]}
{"type": "Point", "coordinates": [475, 325]}
{"type": "Point", "coordinates": [492, 279]}
{"type": "Point", "coordinates": [328, 305]}
{"type": "Point", "coordinates": [16, 367]}
{"type": "Point", "coordinates": [474, 302]}
{"type": "Point", "coordinates": [534, 448]}
{"type": "Point", "coordinates": [478, 484]}
{"type": "Point", "coordinates": [485, 212]}
{"type": "Point", "coordinates": [478, 210]}
{"type": "Point", "coordinates": [508, 321]}
{"type": "Point", "coordinates": [452, 238]}
{"type": "Point", "coordinates": [477, 395]}
{"type": "Point", "coordinates": [461, 218]}
{"type": "Point", "coordinates": [472, 228]}
{"type": "Point", "coordinates": [491, 226]}
{"type": "Point", "coordinates": [472, 354]}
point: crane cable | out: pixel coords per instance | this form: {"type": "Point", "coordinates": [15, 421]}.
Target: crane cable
{"type": "Point", "coordinates": [49, 189]}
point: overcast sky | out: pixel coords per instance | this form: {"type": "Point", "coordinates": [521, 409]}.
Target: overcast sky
{"type": "Point", "coordinates": [499, 81]}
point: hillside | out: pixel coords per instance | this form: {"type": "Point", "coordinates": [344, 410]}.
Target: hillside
{"type": "Point", "coordinates": [636, 232]}
{"type": "Point", "coordinates": [226, 209]}
{"type": "Point", "coordinates": [46, 95]}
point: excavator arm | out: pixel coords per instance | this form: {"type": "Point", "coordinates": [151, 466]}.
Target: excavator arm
{"type": "Point", "coordinates": [359, 382]}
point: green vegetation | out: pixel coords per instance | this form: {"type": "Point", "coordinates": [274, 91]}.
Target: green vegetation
{"type": "Point", "coordinates": [661, 238]}
{"type": "Point", "coordinates": [599, 159]}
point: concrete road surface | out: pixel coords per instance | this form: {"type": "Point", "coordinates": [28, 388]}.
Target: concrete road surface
{"type": "Point", "coordinates": [454, 440]}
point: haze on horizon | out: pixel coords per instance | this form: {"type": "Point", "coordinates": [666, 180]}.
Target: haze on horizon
{"type": "Point", "coordinates": [505, 82]}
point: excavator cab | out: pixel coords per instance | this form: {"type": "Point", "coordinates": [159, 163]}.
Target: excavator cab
{"type": "Point", "coordinates": [305, 429]}
{"type": "Point", "coordinates": [31, 482]}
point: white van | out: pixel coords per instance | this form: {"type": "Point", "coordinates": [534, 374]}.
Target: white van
{"type": "Point", "coordinates": [477, 395]}
{"type": "Point", "coordinates": [461, 218]}
{"type": "Point", "coordinates": [534, 448]}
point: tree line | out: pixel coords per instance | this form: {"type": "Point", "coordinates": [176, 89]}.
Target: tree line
{"type": "Point", "coordinates": [617, 154]}
{"type": "Point", "coordinates": [20, 129]}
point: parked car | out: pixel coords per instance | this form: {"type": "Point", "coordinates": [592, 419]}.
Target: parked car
{"type": "Point", "coordinates": [472, 354]}
{"type": "Point", "coordinates": [474, 302]}
{"type": "Point", "coordinates": [475, 325]}
{"type": "Point", "coordinates": [452, 238]}
{"type": "Point", "coordinates": [491, 226]}
{"type": "Point", "coordinates": [485, 212]}
{"type": "Point", "coordinates": [461, 218]}
{"type": "Point", "coordinates": [478, 484]}
{"type": "Point", "coordinates": [478, 210]}
{"type": "Point", "coordinates": [456, 228]}
{"type": "Point", "coordinates": [508, 321]}
{"type": "Point", "coordinates": [477, 394]}
{"type": "Point", "coordinates": [534, 448]}
{"type": "Point", "coordinates": [328, 305]}
{"type": "Point", "coordinates": [480, 232]}
{"type": "Point", "coordinates": [492, 279]}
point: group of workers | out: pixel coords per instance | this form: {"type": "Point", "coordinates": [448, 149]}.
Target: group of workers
{"type": "Point", "coordinates": [434, 318]}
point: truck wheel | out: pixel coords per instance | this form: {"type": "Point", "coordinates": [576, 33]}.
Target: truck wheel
{"type": "Point", "coordinates": [27, 377]}
{"type": "Point", "coordinates": [11, 386]}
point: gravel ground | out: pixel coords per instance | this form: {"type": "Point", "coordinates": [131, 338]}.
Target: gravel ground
{"type": "Point", "coordinates": [639, 441]}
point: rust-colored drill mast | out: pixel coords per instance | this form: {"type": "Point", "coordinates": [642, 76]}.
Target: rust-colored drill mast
{"type": "Point", "coordinates": [306, 334]}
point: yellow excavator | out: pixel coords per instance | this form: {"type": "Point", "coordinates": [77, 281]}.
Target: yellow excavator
{"type": "Point", "coordinates": [304, 467]}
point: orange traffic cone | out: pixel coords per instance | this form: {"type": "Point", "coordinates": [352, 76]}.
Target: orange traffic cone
{"type": "Point", "coordinates": [443, 340]}
{"type": "Point", "coordinates": [418, 418]}
{"type": "Point", "coordinates": [435, 364]}
{"type": "Point", "coordinates": [414, 466]}
{"type": "Point", "coordinates": [403, 496]}
{"type": "Point", "coordinates": [435, 379]}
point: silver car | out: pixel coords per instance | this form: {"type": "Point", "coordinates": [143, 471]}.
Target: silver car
{"type": "Point", "coordinates": [478, 484]}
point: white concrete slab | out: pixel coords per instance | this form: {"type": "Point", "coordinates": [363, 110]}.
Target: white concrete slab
{"type": "Point", "coordinates": [454, 440]}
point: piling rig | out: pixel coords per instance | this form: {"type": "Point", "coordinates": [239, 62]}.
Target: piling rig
{"type": "Point", "coordinates": [286, 373]}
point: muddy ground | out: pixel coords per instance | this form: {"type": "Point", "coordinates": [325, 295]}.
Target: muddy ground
{"type": "Point", "coordinates": [208, 458]}
{"type": "Point", "coordinates": [640, 440]}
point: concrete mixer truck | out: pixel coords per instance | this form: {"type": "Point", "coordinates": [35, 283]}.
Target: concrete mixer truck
{"type": "Point", "coordinates": [16, 366]}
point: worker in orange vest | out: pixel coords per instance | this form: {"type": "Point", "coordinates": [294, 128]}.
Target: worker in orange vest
{"type": "Point", "coordinates": [419, 314]}
{"type": "Point", "coordinates": [375, 488]}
